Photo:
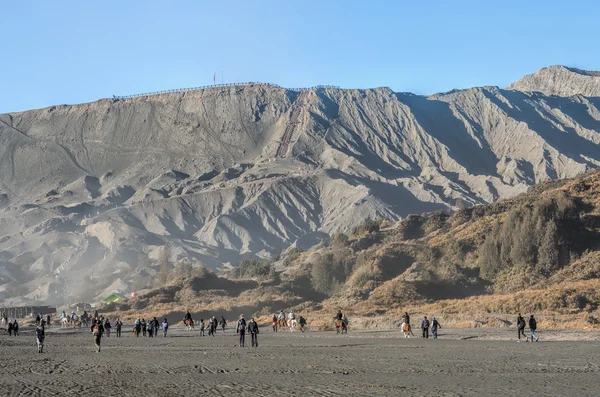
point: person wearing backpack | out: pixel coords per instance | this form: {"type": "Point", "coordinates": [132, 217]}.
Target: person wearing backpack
{"type": "Point", "coordinates": [520, 327]}
{"type": "Point", "coordinates": [253, 329]}
{"type": "Point", "coordinates": [150, 328]}
{"type": "Point", "coordinates": [425, 327]}
{"type": "Point", "coordinates": [165, 327]}
{"type": "Point", "coordinates": [97, 331]}
{"type": "Point", "coordinates": [241, 330]}
{"type": "Point", "coordinates": [532, 328]}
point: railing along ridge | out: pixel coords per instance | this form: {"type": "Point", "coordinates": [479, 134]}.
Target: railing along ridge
{"type": "Point", "coordinates": [119, 97]}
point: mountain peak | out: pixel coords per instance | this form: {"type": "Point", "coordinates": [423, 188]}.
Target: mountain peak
{"type": "Point", "coordinates": [561, 81]}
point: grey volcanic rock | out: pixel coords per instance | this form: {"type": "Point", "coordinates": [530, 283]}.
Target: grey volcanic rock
{"type": "Point", "coordinates": [561, 81]}
{"type": "Point", "coordinates": [90, 193]}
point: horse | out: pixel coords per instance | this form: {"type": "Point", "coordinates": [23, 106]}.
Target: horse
{"type": "Point", "coordinates": [405, 329]}
{"type": "Point", "coordinates": [189, 324]}
{"type": "Point", "coordinates": [341, 327]}
{"type": "Point", "coordinates": [65, 322]}
{"type": "Point", "coordinates": [282, 323]}
{"type": "Point", "coordinates": [292, 324]}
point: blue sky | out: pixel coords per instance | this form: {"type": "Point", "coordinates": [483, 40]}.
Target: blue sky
{"type": "Point", "coordinates": [79, 51]}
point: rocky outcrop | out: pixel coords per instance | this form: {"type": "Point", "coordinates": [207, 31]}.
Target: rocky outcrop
{"type": "Point", "coordinates": [560, 81]}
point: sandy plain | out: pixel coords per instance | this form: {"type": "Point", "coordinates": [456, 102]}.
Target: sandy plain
{"type": "Point", "coordinates": [462, 362]}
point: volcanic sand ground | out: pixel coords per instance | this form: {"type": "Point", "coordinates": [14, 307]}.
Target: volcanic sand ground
{"type": "Point", "coordinates": [462, 362]}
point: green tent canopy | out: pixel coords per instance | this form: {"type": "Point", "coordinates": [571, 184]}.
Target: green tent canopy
{"type": "Point", "coordinates": [114, 298]}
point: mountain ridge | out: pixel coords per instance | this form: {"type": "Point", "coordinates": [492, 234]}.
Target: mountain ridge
{"type": "Point", "coordinates": [90, 193]}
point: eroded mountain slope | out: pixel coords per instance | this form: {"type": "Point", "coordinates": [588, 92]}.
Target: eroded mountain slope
{"type": "Point", "coordinates": [90, 193]}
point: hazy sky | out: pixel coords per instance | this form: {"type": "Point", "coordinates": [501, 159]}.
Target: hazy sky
{"type": "Point", "coordinates": [56, 52]}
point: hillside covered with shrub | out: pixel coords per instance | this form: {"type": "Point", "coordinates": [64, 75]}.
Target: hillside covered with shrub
{"type": "Point", "coordinates": [537, 252]}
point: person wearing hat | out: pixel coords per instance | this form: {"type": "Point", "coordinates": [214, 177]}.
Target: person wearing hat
{"type": "Point", "coordinates": [241, 329]}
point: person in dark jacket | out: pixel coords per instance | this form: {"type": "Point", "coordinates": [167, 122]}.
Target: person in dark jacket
{"type": "Point", "coordinates": [339, 316]}
{"type": "Point", "coordinates": [274, 323]}
{"type": "Point", "coordinates": [156, 326]}
{"type": "Point", "coordinates": [107, 327]}
{"type": "Point", "coordinates": [144, 327]}
{"type": "Point", "coordinates": [241, 330]}
{"type": "Point", "coordinates": [10, 328]}
{"type": "Point", "coordinates": [15, 328]}
{"type": "Point", "coordinates": [223, 323]}
{"type": "Point", "coordinates": [520, 327]}
{"type": "Point", "coordinates": [434, 327]}
{"type": "Point", "coordinates": [532, 328]}
{"type": "Point", "coordinates": [118, 326]}
{"type": "Point", "coordinates": [253, 329]}
{"type": "Point", "coordinates": [425, 327]}
{"type": "Point", "coordinates": [40, 335]}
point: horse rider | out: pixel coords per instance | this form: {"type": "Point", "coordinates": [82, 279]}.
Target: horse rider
{"type": "Point", "coordinates": [188, 316]}
{"type": "Point", "coordinates": [63, 315]}
{"type": "Point", "coordinates": [339, 316]}
{"type": "Point", "coordinates": [281, 315]}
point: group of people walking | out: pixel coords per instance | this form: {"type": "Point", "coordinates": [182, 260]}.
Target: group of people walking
{"type": "Point", "coordinates": [250, 326]}
{"type": "Point", "coordinates": [426, 325]}
{"type": "Point", "coordinates": [13, 328]}
{"type": "Point", "coordinates": [532, 328]}
{"type": "Point", "coordinates": [212, 324]}
{"type": "Point", "coordinates": [149, 328]}
{"type": "Point", "coordinates": [434, 325]}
